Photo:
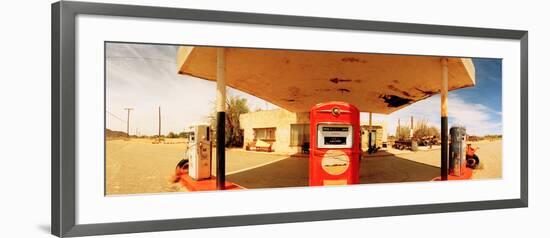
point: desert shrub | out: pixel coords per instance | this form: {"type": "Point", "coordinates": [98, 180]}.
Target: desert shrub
{"type": "Point", "coordinates": [403, 133]}
{"type": "Point", "coordinates": [423, 130]}
{"type": "Point", "coordinates": [172, 135]}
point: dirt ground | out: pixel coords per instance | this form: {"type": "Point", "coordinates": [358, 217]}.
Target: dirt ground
{"type": "Point", "coordinates": [489, 153]}
{"type": "Point", "coordinates": [137, 166]}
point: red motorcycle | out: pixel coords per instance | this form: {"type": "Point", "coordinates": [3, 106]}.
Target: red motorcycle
{"type": "Point", "coordinates": [472, 160]}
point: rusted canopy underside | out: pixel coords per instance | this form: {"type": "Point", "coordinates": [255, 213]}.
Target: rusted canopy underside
{"type": "Point", "coordinates": [297, 80]}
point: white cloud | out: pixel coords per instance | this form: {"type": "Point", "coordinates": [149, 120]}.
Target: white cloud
{"type": "Point", "coordinates": [145, 77]}
{"type": "Point", "coordinates": [477, 118]}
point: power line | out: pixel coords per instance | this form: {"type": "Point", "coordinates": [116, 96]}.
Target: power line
{"type": "Point", "coordinates": [115, 116]}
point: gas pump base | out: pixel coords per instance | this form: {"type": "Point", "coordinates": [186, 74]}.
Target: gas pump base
{"type": "Point", "coordinates": [205, 184]}
{"type": "Point", "coordinates": [465, 176]}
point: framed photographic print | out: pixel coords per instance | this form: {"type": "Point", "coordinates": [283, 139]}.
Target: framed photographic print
{"type": "Point", "coordinates": [167, 118]}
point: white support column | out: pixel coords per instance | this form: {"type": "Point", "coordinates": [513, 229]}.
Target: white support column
{"type": "Point", "coordinates": [370, 131]}
{"type": "Point", "coordinates": [220, 80]}
{"type": "Point", "coordinates": [444, 86]}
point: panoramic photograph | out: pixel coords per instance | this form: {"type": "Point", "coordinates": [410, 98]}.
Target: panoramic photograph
{"type": "Point", "coordinates": [182, 118]}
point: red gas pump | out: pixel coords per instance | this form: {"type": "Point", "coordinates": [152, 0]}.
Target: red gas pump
{"type": "Point", "coordinates": [335, 145]}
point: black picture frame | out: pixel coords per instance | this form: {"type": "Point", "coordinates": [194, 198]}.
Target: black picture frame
{"type": "Point", "coordinates": [63, 207]}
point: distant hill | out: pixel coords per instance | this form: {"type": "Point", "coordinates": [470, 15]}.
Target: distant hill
{"type": "Point", "coordinates": [115, 134]}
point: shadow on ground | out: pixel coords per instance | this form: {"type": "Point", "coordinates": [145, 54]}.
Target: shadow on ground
{"type": "Point", "coordinates": [393, 169]}
{"type": "Point", "coordinates": [293, 172]}
{"type": "Point", "coordinates": [289, 172]}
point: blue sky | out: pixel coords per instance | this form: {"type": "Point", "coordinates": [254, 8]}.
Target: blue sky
{"type": "Point", "coordinates": [488, 89]}
{"type": "Point", "coordinates": [145, 77]}
{"type": "Point", "coordinates": [487, 92]}
{"type": "Point", "coordinates": [478, 108]}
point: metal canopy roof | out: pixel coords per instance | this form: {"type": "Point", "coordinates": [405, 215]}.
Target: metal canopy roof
{"type": "Point", "coordinates": [297, 80]}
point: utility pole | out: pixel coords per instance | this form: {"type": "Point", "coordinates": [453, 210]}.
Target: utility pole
{"type": "Point", "coordinates": [398, 128]}
{"type": "Point", "coordinates": [128, 121]}
{"type": "Point", "coordinates": [159, 123]}
{"type": "Point", "coordinates": [412, 127]}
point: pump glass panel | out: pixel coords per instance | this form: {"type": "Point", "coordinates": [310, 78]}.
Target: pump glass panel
{"type": "Point", "coordinates": [334, 136]}
{"type": "Point", "coordinates": [192, 136]}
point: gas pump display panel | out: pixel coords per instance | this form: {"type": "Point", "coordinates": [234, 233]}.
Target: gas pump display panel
{"type": "Point", "coordinates": [334, 136]}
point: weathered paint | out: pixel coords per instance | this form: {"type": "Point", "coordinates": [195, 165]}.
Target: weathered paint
{"type": "Point", "coordinates": [395, 101]}
{"type": "Point", "coordinates": [329, 166]}
{"type": "Point", "coordinates": [337, 80]}
{"type": "Point", "coordinates": [268, 74]}
{"type": "Point", "coordinates": [353, 60]}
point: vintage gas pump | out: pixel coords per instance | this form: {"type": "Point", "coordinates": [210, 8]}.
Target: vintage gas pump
{"type": "Point", "coordinates": [457, 152]}
{"type": "Point", "coordinates": [335, 144]}
{"type": "Point", "coordinates": [200, 152]}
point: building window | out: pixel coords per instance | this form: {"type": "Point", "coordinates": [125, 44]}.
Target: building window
{"type": "Point", "coordinates": [299, 134]}
{"type": "Point", "coordinates": [266, 134]}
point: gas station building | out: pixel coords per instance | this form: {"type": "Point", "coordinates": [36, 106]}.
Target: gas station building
{"type": "Point", "coordinates": [288, 131]}
{"type": "Point", "coordinates": [379, 134]}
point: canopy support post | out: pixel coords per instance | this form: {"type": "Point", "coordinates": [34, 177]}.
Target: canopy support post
{"type": "Point", "coordinates": [220, 126]}
{"type": "Point", "coordinates": [370, 130]}
{"type": "Point", "coordinates": [444, 119]}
